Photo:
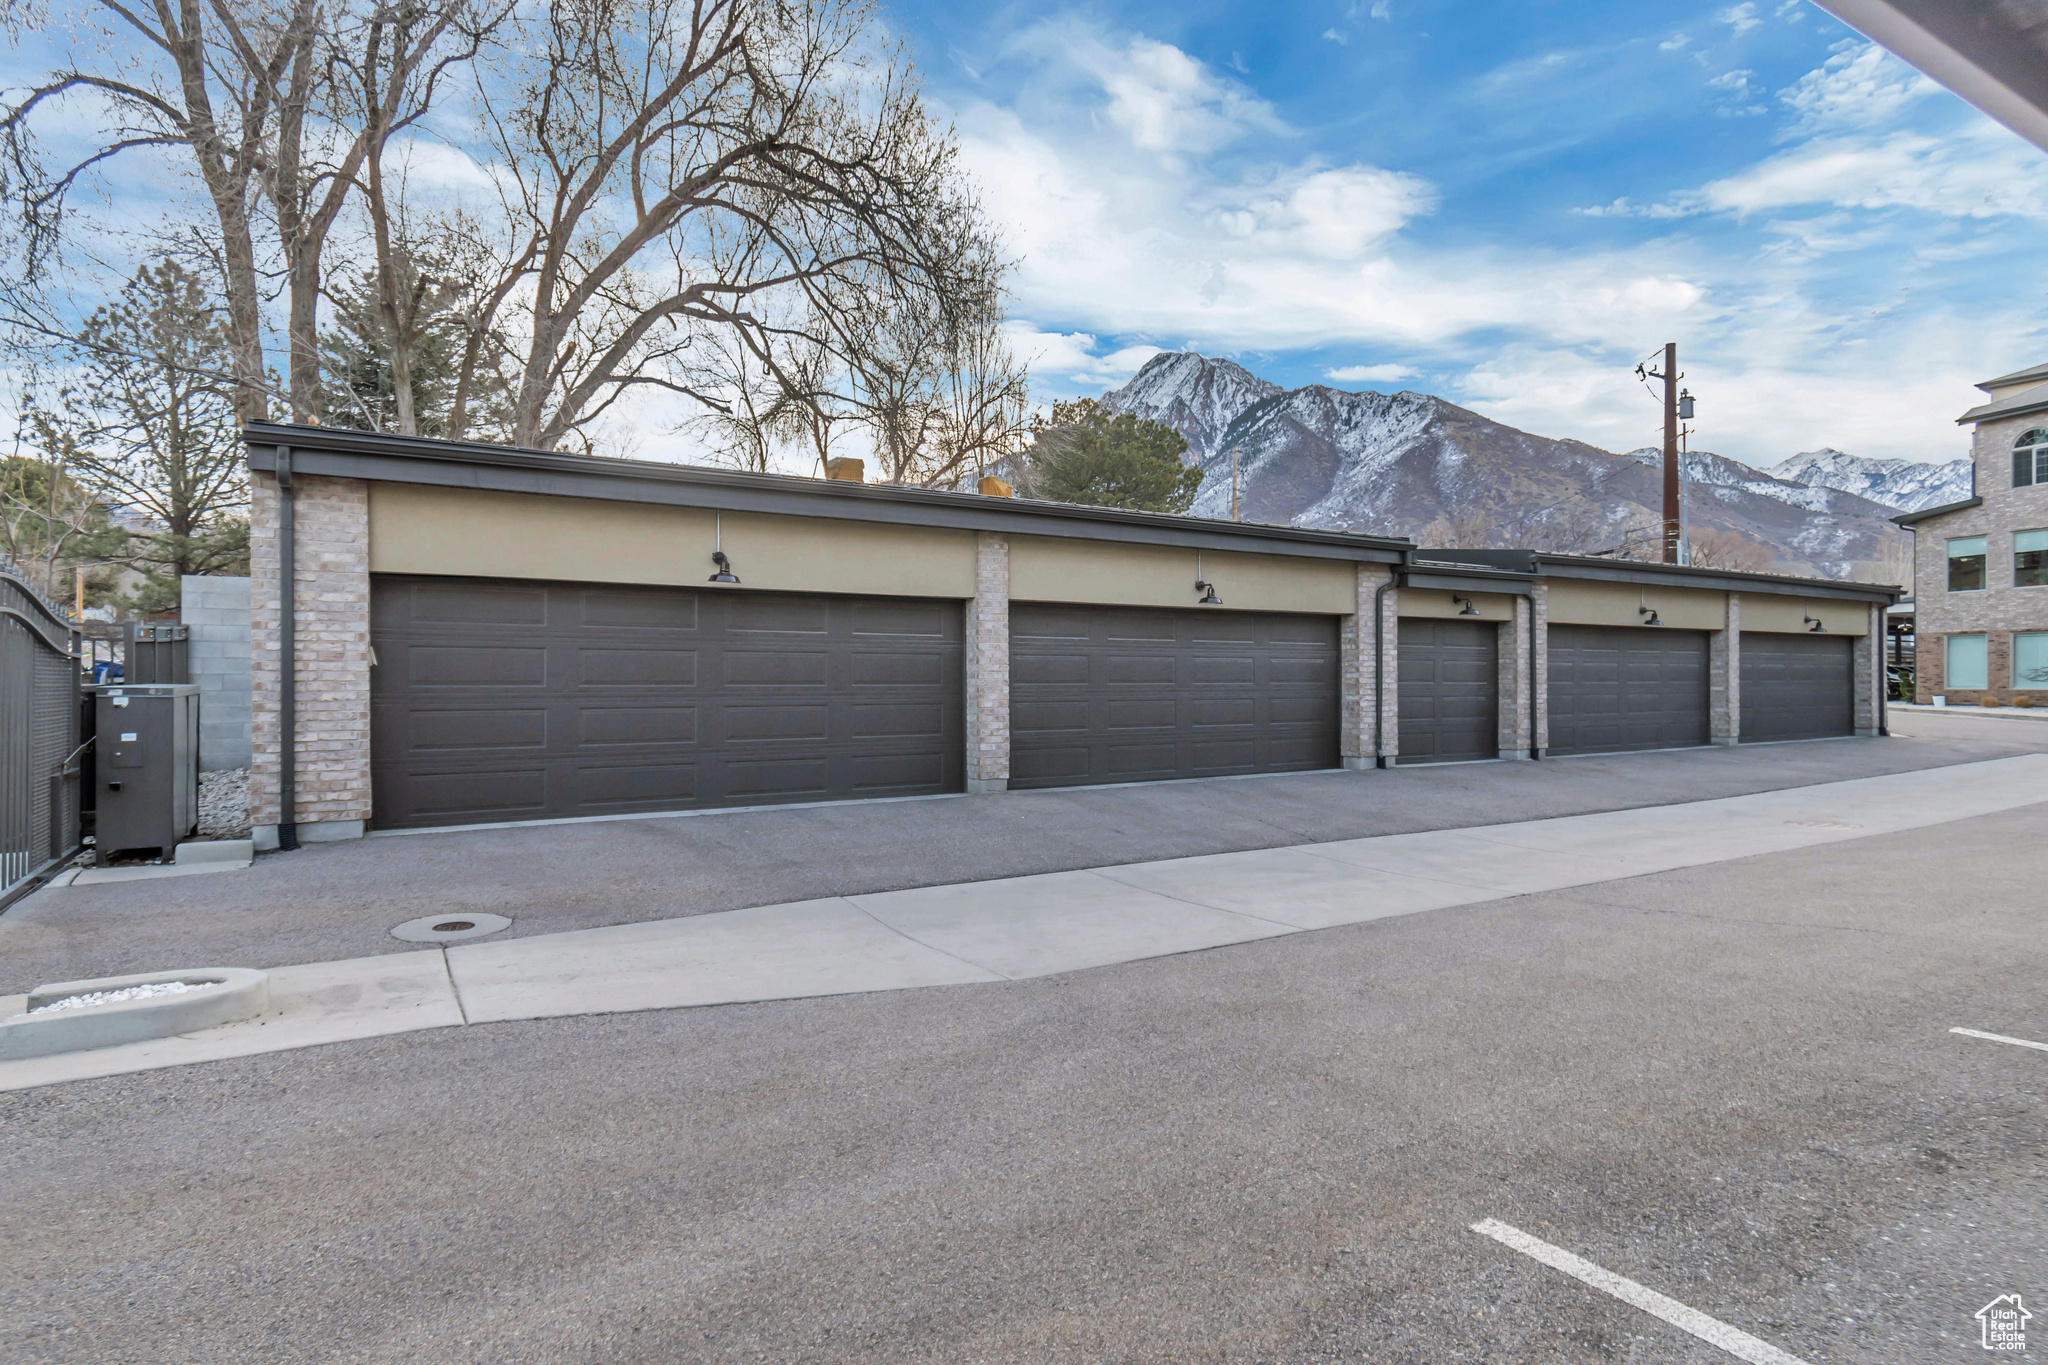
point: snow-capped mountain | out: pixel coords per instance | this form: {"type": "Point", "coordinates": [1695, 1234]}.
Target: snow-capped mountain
{"type": "Point", "coordinates": [1905, 484]}
{"type": "Point", "coordinates": [1399, 463]}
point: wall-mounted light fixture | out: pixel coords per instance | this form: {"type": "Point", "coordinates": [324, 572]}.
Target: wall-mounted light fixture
{"type": "Point", "coordinates": [1814, 627]}
{"type": "Point", "coordinates": [1468, 609]}
{"type": "Point", "coordinates": [1207, 589]}
{"type": "Point", "coordinates": [725, 573]}
{"type": "Point", "coordinates": [1651, 613]}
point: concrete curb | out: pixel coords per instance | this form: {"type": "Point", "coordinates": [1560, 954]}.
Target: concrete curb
{"type": "Point", "coordinates": [226, 994]}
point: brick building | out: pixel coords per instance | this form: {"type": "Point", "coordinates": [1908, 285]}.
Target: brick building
{"type": "Point", "coordinates": [1980, 566]}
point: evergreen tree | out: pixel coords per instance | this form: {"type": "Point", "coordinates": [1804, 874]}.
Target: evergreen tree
{"type": "Point", "coordinates": [1085, 455]}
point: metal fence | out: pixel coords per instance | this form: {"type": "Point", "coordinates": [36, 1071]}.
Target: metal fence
{"type": "Point", "coordinates": [39, 724]}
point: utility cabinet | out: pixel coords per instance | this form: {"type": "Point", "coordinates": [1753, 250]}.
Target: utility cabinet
{"type": "Point", "coordinates": [145, 766]}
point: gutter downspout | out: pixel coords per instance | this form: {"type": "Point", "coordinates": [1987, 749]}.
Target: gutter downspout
{"type": "Point", "coordinates": [1379, 668]}
{"type": "Point", "coordinates": [1535, 751]}
{"type": "Point", "coordinates": [287, 664]}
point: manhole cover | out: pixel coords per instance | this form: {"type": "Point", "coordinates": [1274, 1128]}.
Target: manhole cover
{"type": "Point", "coordinates": [450, 928]}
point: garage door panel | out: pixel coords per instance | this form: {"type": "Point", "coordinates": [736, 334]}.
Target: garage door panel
{"type": "Point", "coordinates": [1206, 694]}
{"type": "Point", "coordinates": [669, 783]}
{"type": "Point", "coordinates": [1448, 690]}
{"type": "Point", "coordinates": [636, 611]}
{"type": "Point", "coordinates": [477, 721]}
{"type": "Point", "coordinates": [638, 667]}
{"type": "Point", "coordinates": [745, 724]}
{"type": "Point", "coordinates": [1147, 670]}
{"type": "Point", "coordinates": [1796, 686]}
{"type": "Point", "coordinates": [637, 725]}
{"type": "Point", "coordinates": [1139, 713]}
{"type": "Point", "coordinates": [475, 666]}
{"type": "Point", "coordinates": [464, 604]}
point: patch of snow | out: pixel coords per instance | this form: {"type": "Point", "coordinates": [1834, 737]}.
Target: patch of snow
{"type": "Point", "coordinates": [94, 999]}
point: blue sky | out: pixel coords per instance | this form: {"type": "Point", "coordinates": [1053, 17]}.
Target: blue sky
{"type": "Point", "coordinates": [1507, 205]}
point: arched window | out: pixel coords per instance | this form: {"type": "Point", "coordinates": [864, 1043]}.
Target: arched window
{"type": "Point", "coordinates": [2030, 458]}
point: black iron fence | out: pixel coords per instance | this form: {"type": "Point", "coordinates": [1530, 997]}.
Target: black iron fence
{"type": "Point", "coordinates": [39, 725]}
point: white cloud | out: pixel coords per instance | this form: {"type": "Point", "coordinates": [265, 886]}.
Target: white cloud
{"type": "Point", "coordinates": [1369, 374]}
{"type": "Point", "coordinates": [1330, 35]}
{"type": "Point", "coordinates": [1382, 10]}
{"type": "Point", "coordinates": [1067, 363]}
{"type": "Point", "coordinates": [1679, 40]}
{"type": "Point", "coordinates": [1742, 18]}
{"type": "Point", "coordinates": [1858, 87]}
{"type": "Point", "coordinates": [1957, 177]}
{"type": "Point", "coordinates": [1163, 99]}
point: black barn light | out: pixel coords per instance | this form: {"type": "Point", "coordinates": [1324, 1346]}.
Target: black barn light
{"type": "Point", "coordinates": [1814, 627]}
{"type": "Point", "coordinates": [1468, 609]}
{"type": "Point", "coordinates": [1651, 613]}
{"type": "Point", "coordinates": [725, 573]}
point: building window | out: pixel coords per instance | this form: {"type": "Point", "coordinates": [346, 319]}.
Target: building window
{"type": "Point", "coordinates": [1967, 664]}
{"type": "Point", "coordinates": [1966, 564]}
{"type": "Point", "coordinates": [2030, 458]}
{"type": "Point", "coordinates": [2030, 659]}
{"type": "Point", "coordinates": [2030, 559]}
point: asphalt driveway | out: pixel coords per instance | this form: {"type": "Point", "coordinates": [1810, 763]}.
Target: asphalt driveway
{"type": "Point", "coordinates": [1734, 1084]}
{"type": "Point", "coordinates": [336, 901]}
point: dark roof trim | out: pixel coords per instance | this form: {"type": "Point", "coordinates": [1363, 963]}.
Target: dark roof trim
{"type": "Point", "coordinates": [2032, 372]}
{"type": "Point", "coordinates": [2019, 405]}
{"type": "Point", "coordinates": [459, 464]}
{"type": "Point", "coordinates": [1669, 575]}
{"type": "Point", "coordinates": [1909, 518]}
{"type": "Point", "coordinates": [1466, 578]}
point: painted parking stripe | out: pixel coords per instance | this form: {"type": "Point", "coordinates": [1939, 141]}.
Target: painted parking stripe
{"type": "Point", "coordinates": [2000, 1038]}
{"type": "Point", "coordinates": [1714, 1332]}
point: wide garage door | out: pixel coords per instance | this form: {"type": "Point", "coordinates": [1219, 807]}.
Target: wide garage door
{"type": "Point", "coordinates": [1795, 686]}
{"type": "Point", "coordinates": [1124, 694]}
{"type": "Point", "coordinates": [498, 700]}
{"type": "Point", "coordinates": [1620, 687]}
{"type": "Point", "coordinates": [1449, 690]}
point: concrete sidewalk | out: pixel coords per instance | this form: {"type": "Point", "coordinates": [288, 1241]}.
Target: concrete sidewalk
{"type": "Point", "coordinates": [1016, 928]}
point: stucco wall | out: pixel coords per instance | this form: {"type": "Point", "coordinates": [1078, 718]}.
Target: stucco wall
{"type": "Point", "coordinates": [1437, 603]}
{"type": "Point", "coordinates": [1578, 602]}
{"type": "Point", "coordinates": [1043, 569]}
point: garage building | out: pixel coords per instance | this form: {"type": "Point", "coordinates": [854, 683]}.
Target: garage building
{"type": "Point", "coordinates": [486, 636]}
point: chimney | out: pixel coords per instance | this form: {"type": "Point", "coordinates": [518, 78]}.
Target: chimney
{"type": "Point", "coordinates": [846, 470]}
{"type": "Point", "coordinates": [993, 487]}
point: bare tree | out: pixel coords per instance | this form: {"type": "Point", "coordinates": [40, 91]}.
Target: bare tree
{"type": "Point", "coordinates": [682, 167]}
{"type": "Point", "coordinates": [1717, 549]}
{"type": "Point", "coordinates": [278, 102]}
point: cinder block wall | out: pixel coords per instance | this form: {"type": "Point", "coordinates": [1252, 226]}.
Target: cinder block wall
{"type": "Point", "coordinates": [216, 610]}
{"type": "Point", "coordinates": [333, 652]}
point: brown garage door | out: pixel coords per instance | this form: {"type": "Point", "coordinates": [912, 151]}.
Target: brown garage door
{"type": "Point", "coordinates": [500, 700]}
{"type": "Point", "coordinates": [1117, 694]}
{"type": "Point", "coordinates": [1795, 686]}
{"type": "Point", "coordinates": [1626, 687]}
{"type": "Point", "coordinates": [1449, 690]}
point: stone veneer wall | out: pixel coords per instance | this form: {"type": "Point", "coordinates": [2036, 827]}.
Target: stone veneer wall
{"type": "Point", "coordinates": [332, 651]}
{"type": "Point", "coordinates": [988, 666]}
{"type": "Point", "coordinates": [1724, 677]}
{"type": "Point", "coordinates": [1512, 682]}
{"type": "Point", "coordinates": [1356, 664]}
{"type": "Point", "coordinates": [1998, 609]}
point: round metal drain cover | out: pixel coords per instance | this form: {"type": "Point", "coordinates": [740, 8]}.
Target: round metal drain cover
{"type": "Point", "coordinates": [450, 928]}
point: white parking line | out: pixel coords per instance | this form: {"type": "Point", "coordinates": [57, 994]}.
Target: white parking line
{"type": "Point", "coordinates": [1999, 1038]}
{"type": "Point", "coordinates": [1714, 1332]}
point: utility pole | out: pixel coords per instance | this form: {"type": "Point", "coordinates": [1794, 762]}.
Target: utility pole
{"type": "Point", "coordinates": [1670, 452]}
{"type": "Point", "coordinates": [1233, 483]}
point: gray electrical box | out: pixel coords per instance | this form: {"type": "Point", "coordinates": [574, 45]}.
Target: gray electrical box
{"type": "Point", "coordinates": [145, 766]}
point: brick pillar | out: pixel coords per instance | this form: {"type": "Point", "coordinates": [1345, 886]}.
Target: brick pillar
{"type": "Point", "coordinates": [1930, 664]}
{"type": "Point", "coordinates": [988, 666]}
{"type": "Point", "coordinates": [331, 657]}
{"type": "Point", "coordinates": [1512, 736]}
{"type": "Point", "coordinates": [1867, 671]}
{"type": "Point", "coordinates": [1724, 682]}
{"type": "Point", "coordinates": [1539, 604]}
{"type": "Point", "coordinates": [1357, 664]}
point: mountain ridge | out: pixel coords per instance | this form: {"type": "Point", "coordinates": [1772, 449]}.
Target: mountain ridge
{"type": "Point", "coordinates": [1413, 463]}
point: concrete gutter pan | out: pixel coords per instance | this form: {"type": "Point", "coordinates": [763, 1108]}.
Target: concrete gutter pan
{"type": "Point", "coordinates": [215, 995]}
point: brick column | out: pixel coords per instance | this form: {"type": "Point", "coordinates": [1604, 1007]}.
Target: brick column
{"type": "Point", "coordinates": [1357, 665]}
{"type": "Point", "coordinates": [1867, 671]}
{"type": "Point", "coordinates": [1539, 604]}
{"type": "Point", "coordinates": [988, 666]}
{"type": "Point", "coordinates": [1724, 683]}
{"type": "Point", "coordinates": [331, 657]}
{"type": "Point", "coordinates": [1512, 684]}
